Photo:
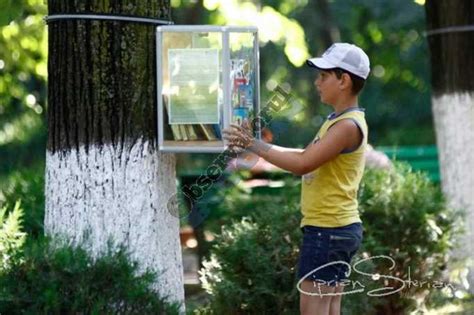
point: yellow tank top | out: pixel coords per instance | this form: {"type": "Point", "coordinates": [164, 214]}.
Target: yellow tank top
{"type": "Point", "coordinates": [329, 193]}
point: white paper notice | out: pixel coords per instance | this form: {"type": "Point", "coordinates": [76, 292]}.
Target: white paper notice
{"type": "Point", "coordinates": [194, 84]}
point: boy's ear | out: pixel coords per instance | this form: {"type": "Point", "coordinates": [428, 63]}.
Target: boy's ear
{"type": "Point", "coordinates": [346, 81]}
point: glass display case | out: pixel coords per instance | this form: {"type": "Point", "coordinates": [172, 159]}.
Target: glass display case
{"type": "Point", "coordinates": [208, 77]}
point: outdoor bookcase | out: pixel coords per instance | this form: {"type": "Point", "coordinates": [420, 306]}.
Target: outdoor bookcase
{"type": "Point", "coordinates": [207, 78]}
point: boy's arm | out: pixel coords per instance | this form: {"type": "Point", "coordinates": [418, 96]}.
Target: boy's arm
{"type": "Point", "coordinates": [343, 134]}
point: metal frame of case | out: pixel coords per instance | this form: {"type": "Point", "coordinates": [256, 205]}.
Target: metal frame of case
{"type": "Point", "coordinates": [227, 113]}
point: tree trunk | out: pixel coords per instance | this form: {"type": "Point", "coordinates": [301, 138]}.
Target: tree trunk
{"type": "Point", "coordinates": [329, 32]}
{"type": "Point", "coordinates": [452, 67]}
{"type": "Point", "coordinates": [105, 178]}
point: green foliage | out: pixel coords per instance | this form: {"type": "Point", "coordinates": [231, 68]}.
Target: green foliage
{"type": "Point", "coordinates": [23, 70]}
{"type": "Point", "coordinates": [406, 218]}
{"type": "Point", "coordinates": [26, 185]}
{"type": "Point", "coordinates": [252, 265]}
{"type": "Point", "coordinates": [397, 94]}
{"type": "Point", "coordinates": [229, 200]}
{"type": "Point", "coordinates": [9, 10]}
{"type": "Point", "coordinates": [11, 236]}
{"type": "Point", "coordinates": [46, 278]}
{"type": "Point", "coordinates": [251, 268]}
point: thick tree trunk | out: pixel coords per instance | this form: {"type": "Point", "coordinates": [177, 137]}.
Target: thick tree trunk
{"type": "Point", "coordinates": [105, 178]}
{"type": "Point", "coordinates": [453, 107]}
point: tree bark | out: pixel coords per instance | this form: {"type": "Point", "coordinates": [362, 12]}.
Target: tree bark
{"type": "Point", "coordinates": [452, 68]}
{"type": "Point", "coordinates": [105, 178]}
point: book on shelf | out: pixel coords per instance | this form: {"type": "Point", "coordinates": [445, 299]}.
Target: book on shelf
{"type": "Point", "coordinates": [176, 132]}
{"type": "Point", "coordinates": [191, 132]}
{"type": "Point", "coordinates": [208, 132]}
{"type": "Point", "coordinates": [184, 134]}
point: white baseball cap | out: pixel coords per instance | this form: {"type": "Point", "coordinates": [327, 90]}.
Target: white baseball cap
{"type": "Point", "coordinates": [345, 56]}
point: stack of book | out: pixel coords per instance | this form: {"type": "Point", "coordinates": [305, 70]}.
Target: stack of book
{"type": "Point", "coordinates": [195, 132]}
{"type": "Point", "coordinates": [191, 132]}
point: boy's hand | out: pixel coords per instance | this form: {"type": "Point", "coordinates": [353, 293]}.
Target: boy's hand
{"type": "Point", "coordinates": [239, 137]}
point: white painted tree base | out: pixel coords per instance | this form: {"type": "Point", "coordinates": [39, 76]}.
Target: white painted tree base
{"type": "Point", "coordinates": [454, 120]}
{"type": "Point", "coordinates": [122, 195]}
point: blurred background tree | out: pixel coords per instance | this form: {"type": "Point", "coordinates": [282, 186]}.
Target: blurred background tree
{"type": "Point", "coordinates": [23, 71]}
{"type": "Point", "coordinates": [397, 96]}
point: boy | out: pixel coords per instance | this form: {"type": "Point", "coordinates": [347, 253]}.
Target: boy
{"type": "Point", "coordinates": [332, 167]}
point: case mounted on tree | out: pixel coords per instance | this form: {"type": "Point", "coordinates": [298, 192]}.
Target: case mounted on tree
{"type": "Point", "coordinates": [208, 77]}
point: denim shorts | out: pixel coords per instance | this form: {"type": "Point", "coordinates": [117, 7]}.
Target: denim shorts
{"type": "Point", "coordinates": [321, 246]}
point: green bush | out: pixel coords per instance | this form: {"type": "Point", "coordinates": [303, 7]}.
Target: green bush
{"type": "Point", "coordinates": [45, 278]}
{"type": "Point", "coordinates": [406, 218]}
{"type": "Point", "coordinates": [228, 200]}
{"type": "Point", "coordinates": [251, 269]}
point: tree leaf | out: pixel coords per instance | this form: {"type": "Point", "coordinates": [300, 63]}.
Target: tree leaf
{"type": "Point", "coordinates": [10, 10]}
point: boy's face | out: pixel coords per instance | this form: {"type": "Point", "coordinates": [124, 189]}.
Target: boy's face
{"type": "Point", "coordinates": [327, 85]}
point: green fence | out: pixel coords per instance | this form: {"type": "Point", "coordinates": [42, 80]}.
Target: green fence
{"type": "Point", "coordinates": [421, 158]}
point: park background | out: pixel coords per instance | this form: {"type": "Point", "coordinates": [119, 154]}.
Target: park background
{"type": "Point", "coordinates": [397, 100]}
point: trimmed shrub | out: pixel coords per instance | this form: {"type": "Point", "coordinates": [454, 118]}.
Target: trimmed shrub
{"type": "Point", "coordinates": [45, 278]}
{"type": "Point", "coordinates": [406, 218]}
{"type": "Point", "coordinates": [252, 265]}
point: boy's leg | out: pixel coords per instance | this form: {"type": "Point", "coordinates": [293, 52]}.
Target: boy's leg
{"type": "Point", "coordinates": [335, 304]}
{"type": "Point", "coordinates": [320, 247]}
{"type": "Point", "coordinates": [315, 304]}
